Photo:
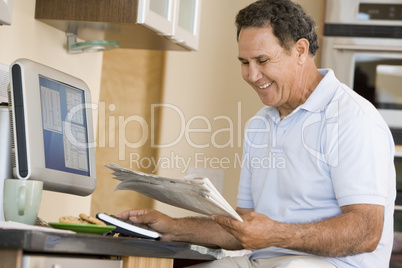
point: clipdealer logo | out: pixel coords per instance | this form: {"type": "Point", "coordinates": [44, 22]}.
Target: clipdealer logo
{"type": "Point", "coordinates": [188, 130]}
{"type": "Point", "coordinates": [331, 138]}
{"type": "Point", "coordinates": [232, 133]}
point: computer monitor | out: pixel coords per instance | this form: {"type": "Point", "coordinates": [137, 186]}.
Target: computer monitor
{"type": "Point", "coordinates": [52, 128]}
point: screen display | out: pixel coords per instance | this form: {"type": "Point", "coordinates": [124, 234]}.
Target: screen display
{"type": "Point", "coordinates": [380, 12]}
{"type": "Point", "coordinates": [64, 127]}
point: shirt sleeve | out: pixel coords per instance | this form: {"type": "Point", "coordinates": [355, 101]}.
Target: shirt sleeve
{"type": "Point", "coordinates": [364, 166]}
{"type": "Point", "coordinates": [244, 197]}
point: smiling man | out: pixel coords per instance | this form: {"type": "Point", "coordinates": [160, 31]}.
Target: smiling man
{"type": "Point", "coordinates": [331, 203]}
{"type": "Point", "coordinates": [283, 78]}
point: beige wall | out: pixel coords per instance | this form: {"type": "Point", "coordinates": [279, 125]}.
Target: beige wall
{"type": "Point", "coordinates": [28, 38]}
{"type": "Point", "coordinates": [131, 82]}
{"type": "Point", "coordinates": [206, 87]}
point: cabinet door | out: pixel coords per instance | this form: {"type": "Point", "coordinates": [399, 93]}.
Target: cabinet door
{"type": "Point", "coordinates": [187, 23]}
{"type": "Point", "coordinates": [157, 15]}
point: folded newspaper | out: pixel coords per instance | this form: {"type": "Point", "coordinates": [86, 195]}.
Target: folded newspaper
{"type": "Point", "coordinates": [192, 192]}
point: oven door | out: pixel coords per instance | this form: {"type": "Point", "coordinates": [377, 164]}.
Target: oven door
{"type": "Point", "coordinates": [372, 70]}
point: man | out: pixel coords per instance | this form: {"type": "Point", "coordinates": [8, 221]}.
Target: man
{"type": "Point", "coordinates": [330, 203]}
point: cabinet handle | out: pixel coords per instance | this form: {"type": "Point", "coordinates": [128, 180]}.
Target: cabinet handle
{"type": "Point", "coordinates": [166, 35]}
{"type": "Point", "coordinates": [173, 39]}
{"type": "Point", "coordinates": [178, 41]}
{"type": "Point", "coordinates": [367, 48]}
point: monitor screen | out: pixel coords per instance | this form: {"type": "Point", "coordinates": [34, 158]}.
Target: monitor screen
{"type": "Point", "coordinates": [52, 128]}
{"type": "Point", "coordinates": [57, 100]}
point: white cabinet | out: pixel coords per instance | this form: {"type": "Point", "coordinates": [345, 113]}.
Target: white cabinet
{"type": "Point", "coordinates": [187, 23]}
{"type": "Point", "coordinates": [177, 20]}
{"type": "Point", "coordinates": [158, 15]}
{"type": "Point", "coordinates": [143, 24]}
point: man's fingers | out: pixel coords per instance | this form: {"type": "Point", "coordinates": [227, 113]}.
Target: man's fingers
{"type": "Point", "coordinates": [132, 213]}
{"type": "Point", "coordinates": [230, 225]}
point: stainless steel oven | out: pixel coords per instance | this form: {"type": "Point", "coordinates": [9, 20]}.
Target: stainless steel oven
{"type": "Point", "coordinates": [362, 43]}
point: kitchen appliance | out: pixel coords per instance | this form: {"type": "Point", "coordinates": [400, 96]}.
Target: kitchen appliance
{"type": "Point", "coordinates": [362, 43]}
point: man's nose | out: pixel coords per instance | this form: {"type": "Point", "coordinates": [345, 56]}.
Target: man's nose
{"type": "Point", "coordinates": [254, 73]}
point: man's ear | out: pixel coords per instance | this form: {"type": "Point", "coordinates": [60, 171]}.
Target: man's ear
{"type": "Point", "coordinates": [302, 48]}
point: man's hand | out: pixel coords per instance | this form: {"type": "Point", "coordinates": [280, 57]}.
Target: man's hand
{"type": "Point", "coordinates": [358, 229]}
{"type": "Point", "coordinates": [195, 230]}
{"type": "Point", "coordinates": [253, 233]}
{"type": "Point", "coordinates": [156, 220]}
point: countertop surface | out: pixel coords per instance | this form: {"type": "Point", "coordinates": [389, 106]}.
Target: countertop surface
{"type": "Point", "coordinates": [46, 242]}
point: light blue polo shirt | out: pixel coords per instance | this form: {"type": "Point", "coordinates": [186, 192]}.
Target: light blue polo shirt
{"type": "Point", "coordinates": [334, 150]}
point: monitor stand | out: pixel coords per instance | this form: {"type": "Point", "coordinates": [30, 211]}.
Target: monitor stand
{"type": "Point", "coordinates": [6, 170]}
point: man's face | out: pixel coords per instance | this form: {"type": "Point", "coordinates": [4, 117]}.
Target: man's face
{"type": "Point", "coordinates": [270, 69]}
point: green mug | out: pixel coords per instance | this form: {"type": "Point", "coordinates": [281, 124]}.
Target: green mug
{"type": "Point", "coordinates": [21, 200]}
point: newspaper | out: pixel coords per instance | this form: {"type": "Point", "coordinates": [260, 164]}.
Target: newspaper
{"type": "Point", "coordinates": [192, 192]}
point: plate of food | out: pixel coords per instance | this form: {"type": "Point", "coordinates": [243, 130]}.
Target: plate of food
{"type": "Point", "coordinates": [82, 224]}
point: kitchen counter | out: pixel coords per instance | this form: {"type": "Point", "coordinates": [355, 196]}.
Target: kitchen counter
{"type": "Point", "coordinates": [47, 243]}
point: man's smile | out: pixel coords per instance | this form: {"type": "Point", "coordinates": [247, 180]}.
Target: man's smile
{"type": "Point", "coordinates": [265, 85]}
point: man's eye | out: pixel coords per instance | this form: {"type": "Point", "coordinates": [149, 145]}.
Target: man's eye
{"type": "Point", "coordinates": [244, 62]}
{"type": "Point", "coordinates": [262, 61]}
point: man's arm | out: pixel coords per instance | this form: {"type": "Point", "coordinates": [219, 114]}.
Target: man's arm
{"type": "Point", "coordinates": [358, 229]}
{"type": "Point", "coordinates": [194, 230]}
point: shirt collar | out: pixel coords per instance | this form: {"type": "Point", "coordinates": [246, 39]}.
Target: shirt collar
{"type": "Point", "coordinates": [323, 93]}
{"type": "Point", "coordinates": [318, 99]}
